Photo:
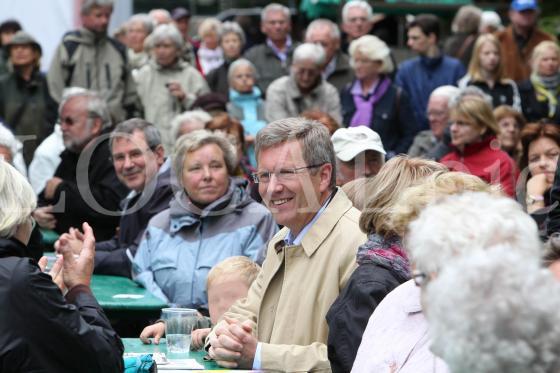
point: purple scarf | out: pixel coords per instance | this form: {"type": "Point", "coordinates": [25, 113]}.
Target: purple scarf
{"type": "Point", "coordinates": [387, 252]}
{"type": "Point", "coordinates": [366, 105]}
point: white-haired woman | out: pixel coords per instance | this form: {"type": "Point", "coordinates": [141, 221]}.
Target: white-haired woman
{"type": "Point", "coordinates": [373, 100]}
{"type": "Point", "coordinates": [304, 89]}
{"type": "Point", "coordinates": [189, 121]}
{"type": "Point", "coordinates": [232, 40]}
{"type": "Point", "coordinates": [210, 54]}
{"type": "Point", "coordinates": [167, 85]}
{"type": "Point", "coordinates": [213, 218]}
{"type": "Point", "coordinates": [463, 223]}
{"type": "Point", "coordinates": [40, 328]}
{"type": "Point", "coordinates": [246, 103]}
{"type": "Point", "coordinates": [540, 94]}
{"type": "Point", "coordinates": [495, 311]}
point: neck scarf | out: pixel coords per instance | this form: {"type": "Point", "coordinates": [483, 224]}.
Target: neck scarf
{"type": "Point", "coordinates": [365, 105]}
{"type": "Point", "coordinates": [387, 252]}
{"type": "Point", "coordinates": [547, 90]}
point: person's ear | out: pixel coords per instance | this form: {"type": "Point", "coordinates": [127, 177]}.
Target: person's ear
{"type": "Point", "coordinates": [159, 153]}
{"type": "Point", "coordinates": [325, 174]}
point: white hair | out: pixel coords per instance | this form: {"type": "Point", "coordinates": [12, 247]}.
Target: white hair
{"type": "Point", "coordinates": [198, 115]}
{"type": "Point", "coordinates": [462, 223]}
{"type": "Point", "coordinates": [165, 32]}
{"type": "Point", "coordinates": [96, 105]}
{"type": "Point", "coordinates": [16, 198]}
{"type": "Point", "coordinates": [233, 28]}
{"type": "Point", "coordinates": [358, 4]}
{"type": "Point", "coordinates": [321, 22]}
{"type": "Point", "coordinates": [146, 21]}
{"type": "Point", "coordinates": [239, 63]}
{"type": "Point", "coordinates": [275, 7]}
{"type": "Point", "coordinates": [495, 311]}
{"type": "Point", "coordinates": [447, 91]}
{"type": "Point", "coordinates": [310, 51]}
{"type": "Point", "coordinates": [8, 140]}
{"type": "Point", "coordinates": [490, 18]}
{"type": "Point", "coordinates": [373, 49]}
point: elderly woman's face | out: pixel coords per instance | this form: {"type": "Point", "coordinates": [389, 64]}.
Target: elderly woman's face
{"type": "Point", "coordinates": [543, 157]}
{"type": "Point", "coordinates": [243, 79]}
{"type": "Point", "coordinates": [365, 68]}
{"type": "Point", "coordinates": [205, 176]}
{"type": "Point", "coordinates": [231, 45]}
{"type": "Point", "coordinates": [166, 52]}
{"type": "Point", "coordinates": [210, 40]}
{"type": "Point", "coordinates": [548, 63]}
{"type": "Point", "coordinates": [135, 36]}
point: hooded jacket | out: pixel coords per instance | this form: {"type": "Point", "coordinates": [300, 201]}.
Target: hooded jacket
{"type": "Point", "coordinates": [183, 243]}
{"type": "Point", "coordinates": [41, 331]}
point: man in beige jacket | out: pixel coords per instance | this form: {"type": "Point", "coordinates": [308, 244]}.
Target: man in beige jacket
{"type": "Point", "coordinates": [281, 324]}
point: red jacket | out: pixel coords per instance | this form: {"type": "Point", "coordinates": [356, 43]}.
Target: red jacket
{"type": "Point", "coordinates": [486, 160]}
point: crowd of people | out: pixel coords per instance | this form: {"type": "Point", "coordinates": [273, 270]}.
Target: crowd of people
{"type": "Point", "coordinates": [316, 201]}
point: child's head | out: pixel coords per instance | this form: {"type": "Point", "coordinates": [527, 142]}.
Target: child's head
{"type": "Point", "coordinates": [227, 282]}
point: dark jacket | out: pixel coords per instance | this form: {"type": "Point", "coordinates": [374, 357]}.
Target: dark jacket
{"type": "Point", "coordinates": [553, 219]}
{"type": "Point", "coordinates": [534, 110]}
{"type": "Point", "coordinates": [369, 284]}
{"type": "Point", "coordinates": [41, 331]}
{"type": "Point", "coordinates": [392, 118]}
{"type": "Point", "coordinates": [111, 256]}
{"type": "Point", "coordinates": [217, 79]}
{"type": "Point", "coordinates": [27, 108]}
{"type": "Point", "coordinates": [342, 73]}
{"type": "Point", "coordinates": [75, 206]}
{"type": "Point", "coordinates": [460, 46]}
{"type": "Point", "coordinates": [504, 92]}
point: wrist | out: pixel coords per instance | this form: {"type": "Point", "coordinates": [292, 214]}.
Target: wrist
{"type": "Point", "coordinates": [533, 199]}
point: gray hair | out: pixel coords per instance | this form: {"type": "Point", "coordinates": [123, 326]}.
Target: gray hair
{"type": "Point", "coordinates": [358, 4]}
{"type": "Point", "coordinates": [96, 105]}
{"type": "Point", "coordinates": [469, 90]}
{"type": "Point", "coordinates": [16, 198]}
{"type": "Point", "coordinates": [447, 91]}
{"type": "Point", "coordinates": [233, 28]}
{"type": "Point", "coordinates": [164, 12]}
{"type": "Point", "coordinates": [88, 4]}
{"type": "Point", "coordinates": [146, 21]}
{"type": "Point", "coordinates": [165, 32]}
{"type": "Point", "coordinates": [239, 63]}
{"type": "Point", "coordinates": [317, 147]}
{"type": "Point", "coordinates": [189, 116]}
{"type": "Point", "coordinates": [8, 140]}
{"type": "Point", "coordinates": [373, 49]}
{"type": "Point", "coordinates": [321, 22]}
{"type": "Point", "coordinates": [275, 7]}
{"type": "Point", "coordinates": [310, 51]}
{"type": "Point", "coordinates": [128, 127]}
{"type": "Point", "coordinates": [467, 20]}
{"type": "Point", "coordinates": [459, 224]}
{"type": "Point", "coordinates": [495, 311]}
{"type": "Point", "coordinates": [195, 140]}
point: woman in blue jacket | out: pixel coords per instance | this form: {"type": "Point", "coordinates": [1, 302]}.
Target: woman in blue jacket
{"type": "Point", "coordinates": [373, 100]}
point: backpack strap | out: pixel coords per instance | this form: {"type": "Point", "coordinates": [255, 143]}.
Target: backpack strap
{"type": "Point", "coordinates": [71, 45]}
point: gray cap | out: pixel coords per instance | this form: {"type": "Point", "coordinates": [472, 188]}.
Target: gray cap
{"type": "Point", "coordinates": [23, 38]}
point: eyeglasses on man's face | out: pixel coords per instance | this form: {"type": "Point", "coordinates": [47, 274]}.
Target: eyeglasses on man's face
{"type": "Point", "coordinates": [282, 175]}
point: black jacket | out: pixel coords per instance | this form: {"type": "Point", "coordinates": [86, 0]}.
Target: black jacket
{"type": "Point", "coordinates": [349, 314]}
{"type": "Point", "coordinates": [392, 119]}
{"type": "Point", "coordinates": [102, 184]}
{"type": "Point", "coordinates": [553, 219]}
{"type": "Point", "coordinates": [41, 331]}
{"type": "Point", "coordinates": [111, 256]}
{"type": "Point", "coordinates": [534, 110]}
{"type": "Point", "coordinates": [217, 79]}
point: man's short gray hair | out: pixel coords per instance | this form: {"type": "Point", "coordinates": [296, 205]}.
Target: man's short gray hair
{"type": "Point", "coordinates": [317, 147]}
{"type": "Point", "coordinates": [239, 63]}
{"type": "Point", "coordinates": [88, 4]}
{"type": "Point", "coordinates": [358, 4]}
{"type": "Point", "coordinates": [233, 28]}
{"type": "Point", "coordinates": [128, 127]}
{"type": "Point", "coordinates": [8, 140]}
{"type": "Point", "coordinates": [166, 32]}
{"type": "Point", "coordinates": [189, 116]}
{"type": "Point", "coordinates": [195, 140]}
{"type": "Point", "coordinates": [146, 21]}
{"type": "Point", "coordinates": [321, 22]}
{"type": "Point", "coordinates": [447, 91]}
{"type": "Point", "coordinates": [275, 7]}
{"type": "Point", "coordinates": [96, 105]}
{"type": "Point", "coordinates": [310, 51]}
{"type": "Point", "coordinates": [495, 311]}
{"type": "Point", "coordinates": [16, 198]}
{"type": "Point", "coordinates": [460, 224]}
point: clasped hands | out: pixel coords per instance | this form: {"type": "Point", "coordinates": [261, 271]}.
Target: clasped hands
{"type": "Point", "coordinates": [233, 344]}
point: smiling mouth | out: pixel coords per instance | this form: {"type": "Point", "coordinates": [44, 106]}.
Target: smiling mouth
{"type": "Point", "coordinates": [280, 202]}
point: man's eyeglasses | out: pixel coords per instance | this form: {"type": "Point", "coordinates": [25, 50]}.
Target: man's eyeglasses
{"type": "Point", "coordinates": [420, 278]}
{"type": "Point", "coordinates": [284, 174]}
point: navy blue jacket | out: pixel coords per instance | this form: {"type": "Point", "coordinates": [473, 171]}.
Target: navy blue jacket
{"type": "Point", "coordinates": [392, 118]}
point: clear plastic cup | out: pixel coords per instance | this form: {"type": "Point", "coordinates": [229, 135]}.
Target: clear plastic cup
{"type": "Point", "coordinates": [179, 323]}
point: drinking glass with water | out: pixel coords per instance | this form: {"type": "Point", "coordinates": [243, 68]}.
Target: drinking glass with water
{"type": "Point", "coordinates": [179, 323]}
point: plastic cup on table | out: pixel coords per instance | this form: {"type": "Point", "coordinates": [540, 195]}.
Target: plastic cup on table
{"type": "Point", "coordinates": [179, 323]}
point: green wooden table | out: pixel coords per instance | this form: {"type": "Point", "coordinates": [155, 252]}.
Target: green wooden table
{"type": "Point", "coordinates": [135, 345]}
{"type": "Point", "coordinates": [120, 297]}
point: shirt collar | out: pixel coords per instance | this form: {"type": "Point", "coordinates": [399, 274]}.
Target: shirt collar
{"type": "Point", "coordinates": [297, 240]}
{"type": "Point", "coordinates": [330, 68]}
{"type": "Point", "coordinates": [282, 55]}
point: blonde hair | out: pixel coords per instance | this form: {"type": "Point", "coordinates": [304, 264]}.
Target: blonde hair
{"type": "Point", "coordinates": [356, 191]}
{"type": "Point", "coordinates": [478, 110]}
{"type": "Point", "coordinates": [210, 25]}
{"type": "Point", "coordinates": [239, 266]}
{"type": "Point", "coordinates": [475, 70]}
{"type": "Point", "coordinates": [373, 49]}
{"type": "Point", "coordinates": [394, 177]}
{"type": "Point", "coordinates": [436, 186]}
{"type": "Point", "coordinates": [17, 200]}
{"type": "Point", "coordinates": [539, 50]}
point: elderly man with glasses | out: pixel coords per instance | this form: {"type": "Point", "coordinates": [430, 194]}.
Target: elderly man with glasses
{"type": "Point", "coordinates": [307, 262]}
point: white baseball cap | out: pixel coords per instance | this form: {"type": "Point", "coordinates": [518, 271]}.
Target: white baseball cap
{"type": "Point", "coordinates": [349, 142]}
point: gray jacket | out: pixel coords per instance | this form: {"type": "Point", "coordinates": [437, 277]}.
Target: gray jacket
{"type": "Point", "coordinates": [95, 62]}
{"type": "Point", "coordinates": [284, 100]}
